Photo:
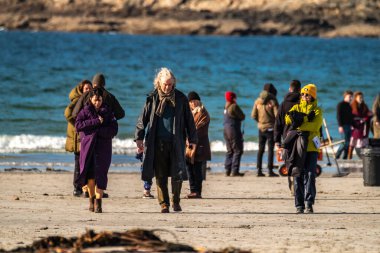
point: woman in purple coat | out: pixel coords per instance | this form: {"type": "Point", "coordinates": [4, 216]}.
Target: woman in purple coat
{"type": "Point", "coordinates": [97, 126]}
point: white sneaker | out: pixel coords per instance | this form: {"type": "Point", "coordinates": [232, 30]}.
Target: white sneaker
{"type": "Point", "coordinates": [147, 195]}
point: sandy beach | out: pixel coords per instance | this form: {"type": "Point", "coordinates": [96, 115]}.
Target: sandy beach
{"type": "Point", "coordinates": [256, 214]}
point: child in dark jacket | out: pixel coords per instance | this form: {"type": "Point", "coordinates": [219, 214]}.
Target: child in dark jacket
{"type": "Point", "coordinates": [97, 126]}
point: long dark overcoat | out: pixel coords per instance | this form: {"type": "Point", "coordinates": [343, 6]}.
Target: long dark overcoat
{"type": "Point", "coordinates": [183, 127]}
{"type": "Point", "coordinates": [96, 142]}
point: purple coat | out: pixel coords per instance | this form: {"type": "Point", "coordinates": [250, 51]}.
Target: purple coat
{"type": "Point", "coordinates": [96, 142]}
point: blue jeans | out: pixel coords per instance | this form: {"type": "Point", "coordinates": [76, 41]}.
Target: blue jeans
{"type": "Point", "coordinates": [148, 185]}
{"type": "Point", "coordinates": [235, 149]}
{"type": "Point", "coordinates": [304, 185]}
{"type": "Point", "coordinates": [344, 146]}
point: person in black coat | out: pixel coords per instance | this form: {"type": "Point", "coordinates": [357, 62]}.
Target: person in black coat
{"type": "Point", "coordinates": [280, 128]}
{"type": "Point", "coordinates": [290, 99]}
{"type": "Point", "coordinates": [345, 121]}
{"type": "Point", "coordinates": [161, 131]}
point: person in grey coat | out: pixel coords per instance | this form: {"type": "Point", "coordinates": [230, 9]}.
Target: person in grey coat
{"type": "Point", "coordinates": [161, 131]}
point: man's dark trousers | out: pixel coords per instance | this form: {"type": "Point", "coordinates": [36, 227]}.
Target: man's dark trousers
{"type": "Point", "coordinates": [265, 136]}
{"type": "Point", "coordinates": [163, 157]}
{"type": "Point", "coordinates": [344, 146]}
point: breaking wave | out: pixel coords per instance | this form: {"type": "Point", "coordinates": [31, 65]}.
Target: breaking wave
{"type": "Point", "coordinates": [27, 143]}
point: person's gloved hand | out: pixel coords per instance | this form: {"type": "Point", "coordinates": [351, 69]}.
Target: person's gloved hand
{"type": "Point", "coordinates": [297, 118]}
{"type": "Point", "coordinates": [139, 156]}
{"type": "Point", "coordinates": [311, 116]}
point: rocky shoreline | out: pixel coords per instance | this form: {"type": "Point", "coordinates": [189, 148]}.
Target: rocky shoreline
{"type": "Point", "coordinates": [322, 18]}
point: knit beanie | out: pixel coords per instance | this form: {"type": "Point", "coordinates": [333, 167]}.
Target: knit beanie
{"type": "Point", "coordinates": [99, 80]}
{"type": "Point", "coordinates": [230, 96]}
{"type": "Point", "coordinates": [193, 96]}
{"type": "Point", "coordinates": [310, 89]}
{"type": "Point", "coordinates": [270, 88]}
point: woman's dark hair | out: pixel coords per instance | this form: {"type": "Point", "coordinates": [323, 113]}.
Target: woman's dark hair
{"type": "Point", "coordinates": [82, 83]}
{"type": "Point", "coordinates": [269, 87]}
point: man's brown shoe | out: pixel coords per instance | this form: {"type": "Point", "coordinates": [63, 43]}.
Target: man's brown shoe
{"type": "Point", "coordinates": [164, 208]}
{"type": "Point", "coordinates": [177, 207]}
{"type": "Point", "coordinates": [194, 195]}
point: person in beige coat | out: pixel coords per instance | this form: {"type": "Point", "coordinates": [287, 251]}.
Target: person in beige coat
{"type": "Point", "coordinates": [72, 137]}
{"type": "Point", "coordinates": [264, 111]}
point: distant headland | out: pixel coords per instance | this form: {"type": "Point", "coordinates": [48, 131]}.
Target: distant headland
{"type": "Point", "coordinates": [321, 18]}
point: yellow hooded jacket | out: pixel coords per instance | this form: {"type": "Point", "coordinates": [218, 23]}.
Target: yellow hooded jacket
{"type": "Point", "coordinates": [72, 137]}
{"type": "Point", "coordinates": [313, 126]}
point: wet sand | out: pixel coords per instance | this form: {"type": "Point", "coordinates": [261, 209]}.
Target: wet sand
{"type": "Point", "coordinates": [249, 213]}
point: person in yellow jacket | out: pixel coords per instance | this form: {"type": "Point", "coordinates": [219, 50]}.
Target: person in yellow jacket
{"type": "Point", "coordinates": [72, 138]}
{"type": "Point", "coordinates": [311, 122]}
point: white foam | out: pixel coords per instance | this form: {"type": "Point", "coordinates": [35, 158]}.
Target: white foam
{"type": "Point", "coordinates": [27, 143]}
{"type": "Point", "coordinates": [220, 146]}
{"type": "Point", "coordinates": [30, 143]}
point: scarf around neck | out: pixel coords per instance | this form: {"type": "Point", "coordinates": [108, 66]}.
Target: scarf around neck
{"type": "Point", "coordinates": [164, 98]}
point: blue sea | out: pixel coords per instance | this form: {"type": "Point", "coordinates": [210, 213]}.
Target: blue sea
{"type": "Point", "coordinates": [39, 69]}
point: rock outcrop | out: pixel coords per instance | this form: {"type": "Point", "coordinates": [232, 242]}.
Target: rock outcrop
{"type": "Point", "coordinates": [325, 18]}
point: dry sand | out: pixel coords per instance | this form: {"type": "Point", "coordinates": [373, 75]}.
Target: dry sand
{"type": "Point", "coordinates": [249, 213]}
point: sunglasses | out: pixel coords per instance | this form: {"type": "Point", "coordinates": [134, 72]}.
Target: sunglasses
{"type": "Point", "coordinates": [305, 95]}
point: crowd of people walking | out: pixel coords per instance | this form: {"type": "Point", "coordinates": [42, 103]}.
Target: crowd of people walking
{"type": "Point", "coordinates": [172, 140]}
{"type": "Point", "coordinates": [355, 121]}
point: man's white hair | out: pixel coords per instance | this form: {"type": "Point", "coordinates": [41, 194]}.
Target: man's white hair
{"type": "Point", "coordinates": [164, 74]}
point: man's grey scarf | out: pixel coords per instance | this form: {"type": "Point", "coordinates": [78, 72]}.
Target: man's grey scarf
{"type": "Point", "coordinates": [164, 98]}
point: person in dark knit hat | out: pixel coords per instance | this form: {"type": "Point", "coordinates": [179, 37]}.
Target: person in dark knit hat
{"type": "Point", "coordinates": [195, 157]}
{"type": "Point", "coordinates": [98, 81]}
{"type": "Point", "coordinates": [193, 96]}
{"type": "Point", "coordinates": [233, 135]}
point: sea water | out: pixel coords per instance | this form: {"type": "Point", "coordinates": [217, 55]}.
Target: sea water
{"type": "Point", "coordinates": [39, 69]}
